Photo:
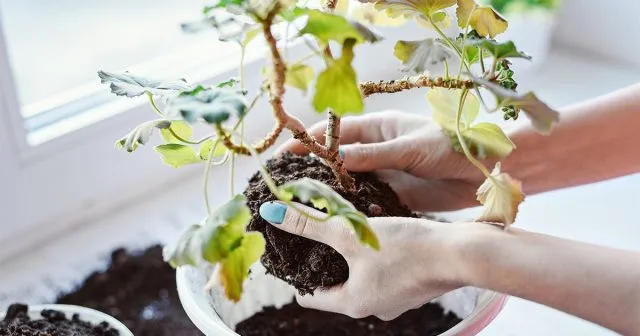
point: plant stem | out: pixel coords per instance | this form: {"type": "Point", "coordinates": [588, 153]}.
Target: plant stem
{"type": "Point", "coordinates": [493, 67]}
{"type": "Point", "coordinates": [463, 144]}
{"type": "Point", "coordinates": [420, 81]}
{"type": "Point", "coordinates": [482, 61]}
{"type": "Point", "coordinates": [446, 69]}
{"type": "Point", "coordinates": [153, 104]}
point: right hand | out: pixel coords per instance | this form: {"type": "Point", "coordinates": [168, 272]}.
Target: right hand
{"type": "Point", "coordinates": [408, 151]}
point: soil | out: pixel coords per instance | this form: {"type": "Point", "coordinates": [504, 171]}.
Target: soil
{"type": "Point", "coordinates": [139, 289]}
{"type": "Point", "coordinates": [294, 320]}
{"type": "Point", "coordinates": [304, 263]}
{"type": "Point", "coordinates": [53, 323]}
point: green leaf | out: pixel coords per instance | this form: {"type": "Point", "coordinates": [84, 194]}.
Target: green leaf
{"type": "Point", "coordinates": [205, 149]}
{"type": "Point", "coordinates": [339, 77]}
{"type": "Point", "coordinates": [471, 53]}
{"type": "Point", "coordinates": [541, 115]}
{"type": "Point", "coordinates": [444, 105]}
{"type": "Point", "coordinates": [228, 83]}
{"type": "Point", "coordinates": [177, 155]}
{"type": "Point", "coordinates": [411, 8]}
{"type": "Point", "coordinates": [212, 105]}
{"type": "Point", "coordinates": [488, 140]}
{"type": "Point", "coordinates": [186, 250]}
{"type": "Point", "coordinates": [299, 76]}
{"type": "Point", "coordinates": [487, 22]}
{"type": "Point", "coordinates": [235, 267]}
{"type": "Point", "coordinates": [221, 240]}
{"type": "Point", "coordinates": [418, 55]}
{"type": "Point", "coordinates": [330, 27]}
{"type": "Point", "coordinates": [141, 134]}
{"type": "Point", "coordinates": [323, 197]}
{"type": "Point", "coordinates": [179, 127]}
{"type": "Point", "coordinates": [500, 50]}
{"type": "Point", "coordinates": [128, 85]}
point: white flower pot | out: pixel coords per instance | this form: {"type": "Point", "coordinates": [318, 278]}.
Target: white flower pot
{"type": "Point", "coordinates": [216, 316]}
{"type": "Point", "coordinates": [86, 314]}
{"type": "Point", "coordinates": [532, 33]}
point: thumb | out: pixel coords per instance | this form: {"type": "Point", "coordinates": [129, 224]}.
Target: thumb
{"type": "Point", "coordinates": [308, 222]}
{"type": "Point", "coordinates": [375, 156]}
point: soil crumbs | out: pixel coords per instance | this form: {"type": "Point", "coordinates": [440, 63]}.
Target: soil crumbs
{"type": "Point", "coordinates": [53, 323]}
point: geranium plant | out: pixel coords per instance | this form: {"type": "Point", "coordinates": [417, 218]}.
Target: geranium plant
{"type": "Point", "coordinates": [455, 98]}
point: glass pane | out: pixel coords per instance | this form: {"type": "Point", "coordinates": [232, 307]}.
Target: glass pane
{"type": "Point", "coordinates": [56, 47]}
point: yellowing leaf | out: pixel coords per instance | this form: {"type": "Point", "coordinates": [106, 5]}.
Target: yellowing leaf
{"type": "Point", "coordinates": [342, 7]}
{"type": "Point", "coordinates": [323, 197]}
{"type": "Point", "coordinates": [234, 268]}
{"type": "Point", "coordinates": [444, 105]}
{"type": "Point", "coordinates": [179, 127]}
{"type": "Point", "coordinates": [299, 76]}
{"type": "Point", "coordinates": [488, 140]}
{"type": "Point", "coordinates": [463, 12]}
{"type": "Point", "coordinates": [337, 86]}
{"type": "Point", "coordinates": [419, 55]}
{"type": "Point", "coordinates": [487, 22]}
{"type": "Point", "coordinates": [501, 195]}
{"type": "Point", "coordinates": [177, 155]}
{"type": "Point", "coordinates": [331, 27]}
{"type": "Point", "coordinates": [367, 13]}
{"type": "Point", "coordinates": [440, 19]}
{"type": "Point", "coordinates": [205, 149]}
{"type": "Point", "coordinates": [411, 8]}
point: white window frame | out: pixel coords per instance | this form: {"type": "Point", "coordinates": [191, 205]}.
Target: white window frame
{"type": "Point", "coordinates": [52, 187]}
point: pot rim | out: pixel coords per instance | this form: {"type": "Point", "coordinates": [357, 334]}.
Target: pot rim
{"type": "Point", "coordinates": [481, 316]}
{"type": "Point", "coordinates": [86, 314]}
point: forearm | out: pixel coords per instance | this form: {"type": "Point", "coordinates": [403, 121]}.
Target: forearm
{"type": "Point", "coordinates": [598, 284]}
{"type": "Point", "coordinates": [594, 141]}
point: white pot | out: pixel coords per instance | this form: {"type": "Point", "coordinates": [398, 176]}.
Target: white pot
{"type": "Point", "coordinates": [216, 316]}
{"type": "Point", "coordinates": [532, 33]}
{"type": "Point", "coordinates": [86, 314]}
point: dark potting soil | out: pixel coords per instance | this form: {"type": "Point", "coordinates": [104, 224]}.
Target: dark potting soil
{"type": "Point", "coordinates": [53, 323]}
{"type": "Point", "coordinates": [139, 289]}
{"type": "Point", "coordinates": [294, 320]}
{"type": "Point", "coordinates": [304, 263]}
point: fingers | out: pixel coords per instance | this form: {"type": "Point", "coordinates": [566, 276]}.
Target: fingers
{"type": "Point", "coordinates": [307, 222]}
{"type": "Point", "coordinates": [330, 299]}
{"type": "Point", "coordinates": [363, 129]}
{"type": "Point", "coordinates": [369, 157]}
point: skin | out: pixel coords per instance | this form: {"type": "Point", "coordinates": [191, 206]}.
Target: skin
{"type": "Point", "coordinates": [421, 259]}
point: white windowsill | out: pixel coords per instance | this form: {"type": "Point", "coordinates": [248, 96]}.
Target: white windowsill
{"type": "Point", "coordinates": [564, 79]}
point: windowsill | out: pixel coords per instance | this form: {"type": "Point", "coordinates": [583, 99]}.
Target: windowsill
{"type": "Point", "coordinates": [564, 79]}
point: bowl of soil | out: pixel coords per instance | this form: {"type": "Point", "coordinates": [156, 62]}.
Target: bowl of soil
{"type": "Point", "coordinates": [293, 263]}
{"type": "Point", "coordinates": [59, 320]}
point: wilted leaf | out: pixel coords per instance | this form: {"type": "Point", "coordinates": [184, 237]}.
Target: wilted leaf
{"type": "Point", "coordinates": [500, 50]}
{"type": "Point", "coordinates": [487, 22]}
{"type": "Point", "coordinates": [128, 85]}
{"type": "Point", "coordinates": [205, 149]}
{"type": "Point", "coordinates": [221, 239]}
{"type": "Point", "coordinates": [213, 105]}
{"type": "Point", "coordinates": [488, 140]}
{"type": "Point", "coordinates": [418, 55]}
{"type": "Point", "coordinates": [463, 12]}
{"type": "Point", "coordinates": [299, 76]}
{"type": "Point", "coordinates": [177, 155]}
{"type": "Point", "coordinates": [235, 267]}
{"type": "Point", "coordinates": [330, 27]}
{"type": "Point", "coordinates": [337, 86]}
{"type": "Point", "coordinates": [411, 8]}
{"type": "Point", "coordinates": [323, 197]}
{"type": "Point", "coordinates": [541, 115]}
{"type": "Point", "coordinates": [444, 105]}
{"type": "Point", "coordinates": [501, 195]}
{"type": "Point", "coordinates": [141, 134]}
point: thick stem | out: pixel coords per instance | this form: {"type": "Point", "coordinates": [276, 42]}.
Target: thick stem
{"type": "Point", "coordinates": [393, 86]}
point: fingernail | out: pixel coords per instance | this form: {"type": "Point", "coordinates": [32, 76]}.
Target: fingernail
{"type": "Point", "coordinates": [273, 212]}
{"type": "Point", "coordinates": [341, 153]}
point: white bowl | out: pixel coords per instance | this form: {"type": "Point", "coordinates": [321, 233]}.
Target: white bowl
{"type": "Point", "coordinates": [86, 314]}
{"type": "Point", "coordinates": [214, 315]}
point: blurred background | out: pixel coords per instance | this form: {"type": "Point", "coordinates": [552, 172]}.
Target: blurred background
{"type": "Point", "coordinates": [65, 189]}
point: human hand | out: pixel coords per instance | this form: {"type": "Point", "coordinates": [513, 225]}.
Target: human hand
{"type": "Point", "coordinates": [408, 151]}
{"type": "Point", "coordinates": [416, 263]}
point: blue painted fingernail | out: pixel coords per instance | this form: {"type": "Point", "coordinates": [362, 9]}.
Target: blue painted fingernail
{"type": "Point", "coordinates": [273, 212]}
{"type": "Point", "coordinates": [341, 153]}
